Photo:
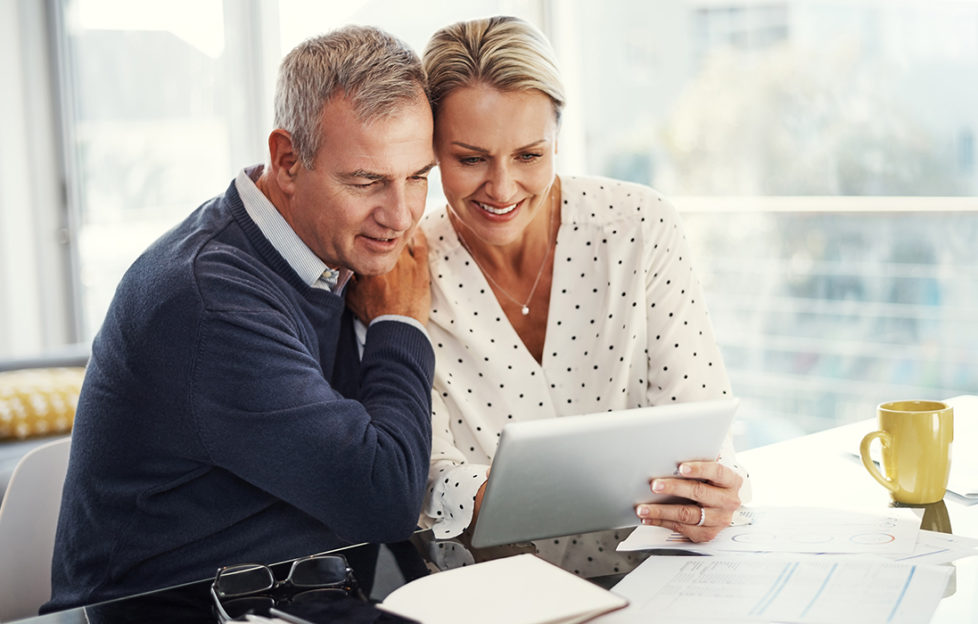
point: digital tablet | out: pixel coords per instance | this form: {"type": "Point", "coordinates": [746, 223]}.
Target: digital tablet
{"type": "Point", "coordinates": [576, 474]}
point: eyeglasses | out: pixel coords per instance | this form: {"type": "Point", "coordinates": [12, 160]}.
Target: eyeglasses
{"type": "Point", "coordinates": [251, 587]}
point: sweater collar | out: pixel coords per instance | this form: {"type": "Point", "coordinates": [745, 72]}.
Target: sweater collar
{"type": "Point", "coordinates": [307, 265]}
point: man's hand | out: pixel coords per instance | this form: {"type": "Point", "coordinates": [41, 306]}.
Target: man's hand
{"type": "Point", "coordinates": [405, 290]}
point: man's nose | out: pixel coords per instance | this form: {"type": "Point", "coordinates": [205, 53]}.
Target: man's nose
{"type": "Point", "coordinates": [396, 213]}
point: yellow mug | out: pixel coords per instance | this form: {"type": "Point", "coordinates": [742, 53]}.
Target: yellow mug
{"type": "Point", "coordinates": [916, 439]}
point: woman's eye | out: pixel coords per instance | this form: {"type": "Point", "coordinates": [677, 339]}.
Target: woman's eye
{"type": "Point", "coordinates": [529, 157]}
{"type": "Point", "coordinates": [470, 160]}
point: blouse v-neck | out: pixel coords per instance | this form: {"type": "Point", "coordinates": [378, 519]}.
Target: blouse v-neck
{"type": "Point", "coordinates": [454, 262]}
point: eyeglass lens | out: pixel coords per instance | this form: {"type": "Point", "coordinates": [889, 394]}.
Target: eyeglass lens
{"type": "Point", "coordinates": [237, 607]}
{"type": "Point", "coordinates": [241, 580]}
{"type": "Point", "coordinates": [318, 571]}
{"type": "Point", "coordinates": [319, 595]}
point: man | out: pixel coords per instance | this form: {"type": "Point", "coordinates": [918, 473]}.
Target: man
{"type": "Point", "coordinates": [226, 415]}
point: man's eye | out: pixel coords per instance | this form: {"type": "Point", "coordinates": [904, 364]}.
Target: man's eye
{"type": "Point", "coordinates": [470, 160]}
{"type": "Point", "coordinates": [529, 156]}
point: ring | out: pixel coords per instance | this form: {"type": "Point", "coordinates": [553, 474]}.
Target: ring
{"type": "Point", "coordinates": [702, 517]}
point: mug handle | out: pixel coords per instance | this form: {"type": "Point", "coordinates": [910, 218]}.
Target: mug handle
{"type": "Point", "coordinates": [874, 472]}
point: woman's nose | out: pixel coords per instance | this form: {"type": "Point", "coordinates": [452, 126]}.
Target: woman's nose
{"type": "Point", "coordinates": [501, 184]}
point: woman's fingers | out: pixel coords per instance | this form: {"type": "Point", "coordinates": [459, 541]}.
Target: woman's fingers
{"type": "Point", "coordinates": [686, 519]}
{"type": "Point", "coordinates": [714, 472]}
{"type": "Point", "coordinates": [712, 492]}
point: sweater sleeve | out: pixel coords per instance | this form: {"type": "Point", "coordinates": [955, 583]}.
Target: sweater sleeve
{"type": "Point", "coordinates": [265, 412]}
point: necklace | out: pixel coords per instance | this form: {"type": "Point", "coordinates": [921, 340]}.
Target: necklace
{"type": "Point", "coordinates": [525, 306]}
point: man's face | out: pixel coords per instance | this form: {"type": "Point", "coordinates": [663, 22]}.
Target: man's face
{"type": "Point", "coordinates": [366, 191]}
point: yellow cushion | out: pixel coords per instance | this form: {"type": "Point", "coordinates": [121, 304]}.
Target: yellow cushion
{"type": "Point", "coordinates": [38, 401]}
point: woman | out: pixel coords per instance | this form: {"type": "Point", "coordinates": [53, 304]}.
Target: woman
{"type": "Point", "coordinates": [551, 295]}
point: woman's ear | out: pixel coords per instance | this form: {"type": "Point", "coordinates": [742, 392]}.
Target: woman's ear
{"type": "Point", "coordinates": [285, 163]}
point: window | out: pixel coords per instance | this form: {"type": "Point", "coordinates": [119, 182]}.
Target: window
{"type": "Point", "coordinates": [822, 152]}
{"type": "Point", "coordinates": [167, 102]}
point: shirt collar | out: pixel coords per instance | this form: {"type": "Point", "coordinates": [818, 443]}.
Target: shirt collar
{"type": "Point", "coordinates": [310, 269]}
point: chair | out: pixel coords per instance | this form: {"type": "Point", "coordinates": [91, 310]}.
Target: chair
{"type": "Point", "coordinates": [28, 519]}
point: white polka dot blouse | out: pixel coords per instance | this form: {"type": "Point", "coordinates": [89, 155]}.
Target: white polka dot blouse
{"type": "Point", "coordinates": [627, 327]}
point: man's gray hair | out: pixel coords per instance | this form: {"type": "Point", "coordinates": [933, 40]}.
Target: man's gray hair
{"type": "Point", "coordinates": [377, 71]}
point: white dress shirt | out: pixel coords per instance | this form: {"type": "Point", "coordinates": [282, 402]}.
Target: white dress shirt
{"type": "Point", "coordinates": [307, 265]}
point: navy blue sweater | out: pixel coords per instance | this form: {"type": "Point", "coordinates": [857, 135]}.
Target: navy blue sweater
{"type": "Point", "coordinates": [226, 418]}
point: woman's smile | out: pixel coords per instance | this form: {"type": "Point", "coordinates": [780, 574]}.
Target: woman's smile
{"type": "Point", "coordinates": [497, 210]}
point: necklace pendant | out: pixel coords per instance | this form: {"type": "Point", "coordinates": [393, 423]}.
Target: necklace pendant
{"type": "Point", "coordinates": [525, 310]}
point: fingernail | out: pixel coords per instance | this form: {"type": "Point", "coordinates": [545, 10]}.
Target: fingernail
{"type": "Point", "coordinates": [657, 486]}
{"type": "Point", "coordinates": [643, 512]}
{"type": "Point", "coordinates": [684, 469]}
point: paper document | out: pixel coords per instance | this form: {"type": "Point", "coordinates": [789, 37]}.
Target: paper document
{"type": "Point", "coordinates": [934, 547]}
{"type": "Point", "coordinates": [809, 590]}
{"type": "Point", "coordinates": [797, 530]}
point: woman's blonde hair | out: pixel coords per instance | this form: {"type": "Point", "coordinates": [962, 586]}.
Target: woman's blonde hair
{"type": "Point", "coordinates": [502, 52]}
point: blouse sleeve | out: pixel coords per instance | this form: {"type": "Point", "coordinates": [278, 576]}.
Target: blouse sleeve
{"type": "Point", "coordinates": [685, 363]}
{"type": "Point", "coordinates": [452, 483]}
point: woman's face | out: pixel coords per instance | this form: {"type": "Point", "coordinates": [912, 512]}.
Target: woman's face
{"type": "Point", "coordinates": [496, 151]}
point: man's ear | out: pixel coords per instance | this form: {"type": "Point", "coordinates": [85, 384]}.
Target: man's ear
{"type": "Point", "coordinates": [285, 162]}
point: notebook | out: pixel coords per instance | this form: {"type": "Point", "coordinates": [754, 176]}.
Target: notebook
{"type": "Point", "coordinates": [522, 589]}
{"type": "Point", "coordinates": [576, 474]}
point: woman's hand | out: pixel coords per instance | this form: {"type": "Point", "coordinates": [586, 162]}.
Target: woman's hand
{"type": "Point", "coordinates": [405, 290]}
{"type": "Point", "coordinates": [713, 491]}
